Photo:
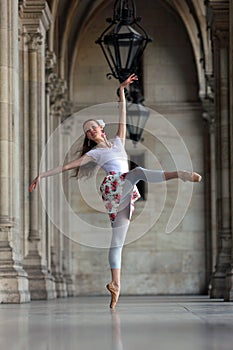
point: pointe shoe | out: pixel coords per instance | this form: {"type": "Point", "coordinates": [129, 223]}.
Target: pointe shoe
{"type": "Point", "coordinates": [114, 294]}
{"type": "Point", "coordinates": [189, 176]}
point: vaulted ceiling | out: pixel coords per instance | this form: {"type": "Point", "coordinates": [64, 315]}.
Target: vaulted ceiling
{"type": "Point", "coordinates": [72, 16]}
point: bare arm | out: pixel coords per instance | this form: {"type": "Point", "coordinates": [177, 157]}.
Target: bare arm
{"type": "Point", "coordinates": [72, 165]}
{"type": "Point", "coordinates": [121, 132]}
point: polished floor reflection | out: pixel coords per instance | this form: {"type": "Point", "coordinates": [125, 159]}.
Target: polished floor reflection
{"type": "Point", "coordinates": [85, 323]}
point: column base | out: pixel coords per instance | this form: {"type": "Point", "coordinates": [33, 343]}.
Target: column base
{"type": "Point", "coordinates": [69, 285]}
{"type": "Point", "coordinates": [229, 287]}
{"type": "Point", "coordinates": [217, 287]}
{"type": "Point", "coordinates": [14, 286]}
{"type": "Point", "coordinates": [13, 279]}
{"type": "Point", "coordinates": [41, 286]}
{"type": "Point", "coordinates": [41, 283]}
{"type": "Point", "coordinates": [61, 287]}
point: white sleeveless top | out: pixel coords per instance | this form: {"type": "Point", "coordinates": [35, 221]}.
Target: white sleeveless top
{"type": "Point", "coordinates": [111, 159]}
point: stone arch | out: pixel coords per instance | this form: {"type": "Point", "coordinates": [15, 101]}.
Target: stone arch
{"type": "Point", "coordinates": [193, 17]}
{"type": "Point", "coordinates": [191, 12]}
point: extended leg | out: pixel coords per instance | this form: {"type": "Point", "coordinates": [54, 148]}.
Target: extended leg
{"type": "Point", "coordinates": [153, 176]}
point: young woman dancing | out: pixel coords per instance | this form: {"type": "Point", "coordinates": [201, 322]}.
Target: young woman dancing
{"type": "Point", "coordinates": [118, 189]}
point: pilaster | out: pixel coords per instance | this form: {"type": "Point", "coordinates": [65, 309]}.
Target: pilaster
{"type": "Point", "coordinates": [13, 278]}
{"type": "Point", "coordinates": [229, 289]}
{"type": "Point", "coordinates": [210, 180]}
{"type": "Point", "coordinates": [67, 258]}
{"type": "Point", "coordinates": [35, 18]}
{"type": "Point", "coordinates": [58, 107]}
{"type": "Point", "coordinates": [218, 18]}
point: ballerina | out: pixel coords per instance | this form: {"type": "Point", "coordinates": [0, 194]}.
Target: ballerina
{"type": "Point", "coordinates": [118, 189]}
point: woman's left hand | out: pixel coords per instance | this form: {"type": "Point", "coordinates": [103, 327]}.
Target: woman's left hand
{"type": "Point", "coordinates": [34, 183]}
{"type": "Point", "coordinates": [129, 81]}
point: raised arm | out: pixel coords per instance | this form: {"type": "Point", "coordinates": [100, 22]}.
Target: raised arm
{"type": "Point", "coordinates": [121, 132]}
{"type": "Point", "coordinates": [72, 165]}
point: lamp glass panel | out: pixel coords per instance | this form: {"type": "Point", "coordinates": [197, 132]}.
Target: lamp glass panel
{"type": "Point", "coordinates": [137, 116]}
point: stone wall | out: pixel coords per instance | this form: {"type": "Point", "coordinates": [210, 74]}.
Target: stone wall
{"type": "Point", "coordinates": [153, 261]}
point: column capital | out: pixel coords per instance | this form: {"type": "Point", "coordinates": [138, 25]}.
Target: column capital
{"type": "Point", "coordinates": [33, 40]}
{"type": "Point", "coordinates": [218, 21]}
{"type": "Point", "coordinates": [35, 14]}
{"type": "Point", "coordinates": [221, 37]}
{"type": "Point", "coordinates": [218, 15]}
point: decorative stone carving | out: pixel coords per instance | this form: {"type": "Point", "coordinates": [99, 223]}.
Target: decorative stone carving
{"type": "Point", "coordinates": [33, 40]}
{"type": "Point", "coordinates": [50, 61]}
{"type": "Point", "coordinates": [35, 14]}
{"type": "Point", "coordinates": [56, 87]}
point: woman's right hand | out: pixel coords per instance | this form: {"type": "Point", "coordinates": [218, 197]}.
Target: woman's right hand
{"type": "Point", "coordinates": [34, 183]}
{"type": "Point", "coordinates": [129, 81]}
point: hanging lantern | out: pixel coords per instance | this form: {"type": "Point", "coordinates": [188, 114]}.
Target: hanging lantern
{"type": "Point", "coordinates": [123, 41]}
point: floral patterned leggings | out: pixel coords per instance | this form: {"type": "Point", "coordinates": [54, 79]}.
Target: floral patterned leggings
{"type": "Point", "coordinates": [121, 221]}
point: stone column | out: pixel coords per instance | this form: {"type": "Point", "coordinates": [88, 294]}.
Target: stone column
{"type": "Point", "coordinates": [229, 291]}
{"type": "Point", "coordinates": [218, 19]}
{"type": "Point", "coordinates": [13, 279]}
{"type": "Point", "coordinates": [67, 243]}
{"type": "Point", "coordinates": [210, 181]}
{"type": "Point", "coordinates": [59, 107]}
{"type": "Point", "coordinates": [67, 266]}
{"type": "Point", "coordinates": [35, 20]}
{"type": "Point", "coordinates": [51, 60]}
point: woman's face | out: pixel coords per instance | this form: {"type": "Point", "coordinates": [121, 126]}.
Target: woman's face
{"type": "Point", "coordinates": [93, 130]}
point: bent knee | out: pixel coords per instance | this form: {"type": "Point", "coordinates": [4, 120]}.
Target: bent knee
{"type": "Point", "coordinates": [138, 171]}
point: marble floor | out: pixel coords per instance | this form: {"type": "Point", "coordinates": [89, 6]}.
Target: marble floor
{"type": "Point", "coordinates": [145, 323]}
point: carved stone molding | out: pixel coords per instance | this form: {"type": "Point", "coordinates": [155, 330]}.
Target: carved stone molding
{"type": "Point", "coordinates": [32, 40]}
{"type": "Point", "coordinates": [6, 222]}
{"type": "Point", "coordinates": [221, 38]}
{"type": "Point", "coordinates": [209, 114]}
{"type": "Point", "coordinates": [218, 11]}
{"type": "Point", "coordinates": [35, 13]}
{"type": "Point", "coordinates": [61, 108]}
{"type": "Point", "coordinates": [50, 61]}
{"type": "Point", "coordinates": [210, 82]}
{"type": "Point", "coordinates": [218, 19]}
{"type": "Point", "coordinates": [56, 87]}
{"type": "Point", "coordinates": [50, 85]}
{"type": "Point", "coordinates": [20, 3]}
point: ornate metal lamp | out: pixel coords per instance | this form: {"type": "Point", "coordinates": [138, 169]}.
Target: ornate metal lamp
{"type": "Point", "coordinates": [123, 43]}
{"type": "Point", "coordinates": [124, 40]}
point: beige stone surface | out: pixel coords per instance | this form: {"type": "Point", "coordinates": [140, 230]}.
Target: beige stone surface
{"type": "Point", "coordinates": [49, 68]}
